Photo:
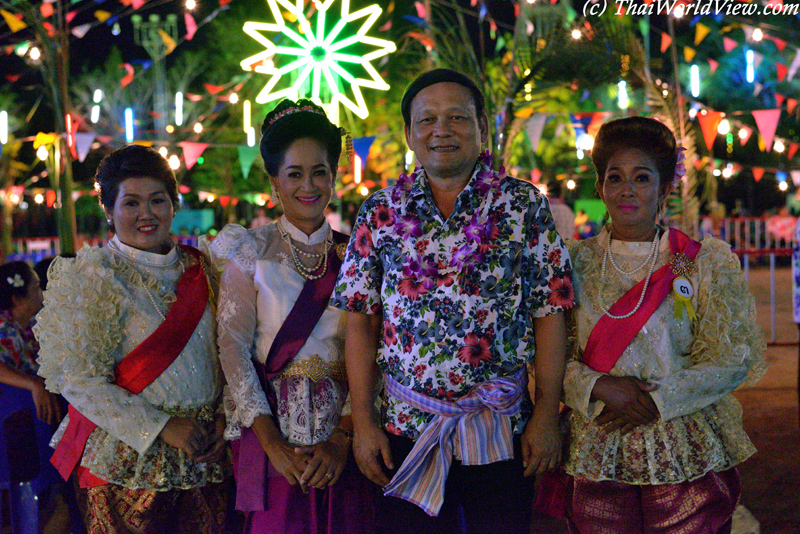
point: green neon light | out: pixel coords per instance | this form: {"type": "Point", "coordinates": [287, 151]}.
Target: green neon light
{"type": "Point", "coordinates": [318, 55]}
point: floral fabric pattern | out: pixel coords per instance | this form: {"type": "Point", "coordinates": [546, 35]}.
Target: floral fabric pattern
{"type": "Point", "coordinates": [458, 295]}
{"type": "Point", "coordinates": [18, 347]}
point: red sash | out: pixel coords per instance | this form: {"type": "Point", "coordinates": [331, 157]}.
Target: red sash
{"type": "Point", "coordinates": [252, 463]}
{"type": "Point", "coordinates": [610, 337]}
{"type": "Point", "coordinates": [607, 341]}
{"type": "Point", "coordinates": [141, 366]}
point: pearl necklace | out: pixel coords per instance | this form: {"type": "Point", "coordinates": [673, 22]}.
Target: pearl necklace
{"type": "Point", "coordinates": [121, 254]}
{"type": "Point", "coordinates": [321, 258]}
{"type": "Point", "coordinates": [653, 247]}
{"type": "Point", "coordinates": [644, 289]}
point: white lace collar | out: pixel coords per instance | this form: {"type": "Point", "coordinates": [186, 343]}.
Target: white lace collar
{"type": "Point", "coordinates": [299, 236]}
{"type": "Point", "coordinates": [146, 258]}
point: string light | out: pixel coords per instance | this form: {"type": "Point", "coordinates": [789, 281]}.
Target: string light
{"type": "Point", "coordinates": [129, 125]}
{"type": "Point", "coordinates": [576, 34]}
{"type": "Point", "coordinates": [198, 128]}
{"type": "Point", "coordinates": [163, 151]}
{"type": "Point", "coordinates": [41, 152]}
{"type": "Point", "coordinates": [170, 128]}
{"type": "Point", "coordinates": [364, 191]}
{"type": "Point", "coordinates": [174, 162]}
{"type": "Point", "coordinates": [783, 186]}
{"type": "Point", "coordinates": [3, 127]}
{"type": "Point", "coordinates": [247, 113]}
{"type": "Point", "coordinates": [211, 198]}
{"type": "Point", "coordinates": [39, 198]}
{"type": "Point", "coordinates": [623, 100]}
{"type": "Point", "coordinates": [233, 98]}
{"type": "Point", "coordinates": [178, 108]}
{"type": "Point", "coordinates": [778, 146]}
{"type": "Point", "coordinates": [724, 127]}
{"type": "Point", "coordinates": [251, 137]}
{"type": "Point", "coordinates": [695, 80]}
{"type": "Point", "coordinates": [357, 169]}
{"type": "Point", "coordinates": [190, 5]}
{"type": "Point", "coordinates": [757, 34]}
{"type": "Point", "coordinates": [749, 56]}
{"type": "Point", "coordinates": [571, 184]}
{"type": "Point", "coordinates": [35, 53]}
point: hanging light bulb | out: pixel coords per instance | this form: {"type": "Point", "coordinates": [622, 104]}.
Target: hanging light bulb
{"type": "Point", "coordinates": [757, 35]}
{"type": "Point", "coordinates": [783, 186]}
{"type": "Point", "coordinates": [35, 53]}
{"type": "Point", "coordinates": [174, 162]}
{"type": "Point", "coordinates": [163, 151]}
{"type": "Point", "coordinates": [749, 56]}
{"type": "Point", "coordinates": [41, 152]}
{"type": "Point", "coordinates": [571, 184]}
{"type": "Point", "coordinates": [576, 34]}
{"type": "Point", "coordinates": [198, 128]}
{"type": "Point", "coordinates": [724, 127]}
{"type": "Point", "coordinates": [39, 198]}
{"type": "Point", "coordinates": [778, 146]}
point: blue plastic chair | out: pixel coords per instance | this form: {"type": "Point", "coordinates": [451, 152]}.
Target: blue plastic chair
{"type": "Point", "coordinates": [25, 469]}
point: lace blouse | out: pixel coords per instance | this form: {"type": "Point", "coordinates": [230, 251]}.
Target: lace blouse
{"type": "Point", "coordinates": [695, 366]}
{"type": "Point", "coordinates": [259, 287]}
{"type": "Point", "coordinates": [97, 309]}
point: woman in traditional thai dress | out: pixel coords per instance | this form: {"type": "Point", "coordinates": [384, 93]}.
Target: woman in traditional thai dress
{"type": "Point", "coordinates": [666, 330]}
{"type": "Point", "coordinates": [127, 336]}
{"type": "Point", "coordinates": [282, 344]}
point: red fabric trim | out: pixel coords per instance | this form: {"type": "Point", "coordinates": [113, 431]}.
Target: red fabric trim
{"type": "Point", "coordinates": [141, 366]}
{"type": "Point", "coordinates": [610, 337]}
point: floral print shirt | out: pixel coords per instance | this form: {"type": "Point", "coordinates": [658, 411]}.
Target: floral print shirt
{"type": "Point", "coordinates": [18, 347]}
{"type": "Point", "coordinates": [458, 295]}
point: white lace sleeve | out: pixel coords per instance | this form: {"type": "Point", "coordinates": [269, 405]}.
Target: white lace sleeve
{"type": "Point", "coordinates": [236, 327]}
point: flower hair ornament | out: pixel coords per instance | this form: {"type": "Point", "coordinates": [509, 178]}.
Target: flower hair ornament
{"type": "Point", "coordinates": [680, 168]}
{"type": "Point", "coordinates": [17, 281]}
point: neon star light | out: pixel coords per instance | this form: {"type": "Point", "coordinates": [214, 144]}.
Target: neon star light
{"type": "Point", "coordinates": [318, 55]}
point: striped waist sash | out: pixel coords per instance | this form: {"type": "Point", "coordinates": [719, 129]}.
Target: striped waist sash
{"type": "Point", "coordinates": [476, 428]}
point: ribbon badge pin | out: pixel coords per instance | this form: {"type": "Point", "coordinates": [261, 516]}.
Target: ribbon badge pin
{"type": "Point", "coordinates": [682, 289]}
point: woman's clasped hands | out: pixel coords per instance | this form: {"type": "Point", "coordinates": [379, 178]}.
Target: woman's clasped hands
{"type": "Point", "coordinates": [627, 400]}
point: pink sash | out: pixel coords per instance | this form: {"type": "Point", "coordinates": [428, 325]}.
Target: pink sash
{"type": "Point", "coordinates": [251, 461]}
{"type": "Point", "coordinates": [610, 337]}
{"type": "Point", "coordinates": [607, 341]}
{"type": "Point", "coordinates": [141, 366]}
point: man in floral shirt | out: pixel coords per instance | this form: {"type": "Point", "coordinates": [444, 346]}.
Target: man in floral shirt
{"type": "Point", "coordinates": [462, 272]}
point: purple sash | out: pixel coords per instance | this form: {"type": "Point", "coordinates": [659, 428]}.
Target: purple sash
{"type": "Point", "coordinates": [251, 460]}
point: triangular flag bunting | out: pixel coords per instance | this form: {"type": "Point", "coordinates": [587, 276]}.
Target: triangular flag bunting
{"type": "Point", "coordinates": [213, 89]}
{"type": "Point", "coordinates": [101, 15]}
{"type": "Point", "coordinates": [666, 40]}
{"type": "Point", "coordinates": [192, 151]}
{"type": "Point", "coordinates": [748, 32]}
{"type": "Point", "coordinates": [700, 32]}
{"type": "Point", "coordinates": [83, 143]}
{"type": "Point", "coordinates": [80, 31]}
{"type": "Point", "coordinates": [795, 177]}
{"type": "Point", "coordinates": [137, 3]}
{"type": "Point", "coordinates": [361, 147]}
{"type": "Point", "coordinates": [247, 155]}
{"type": "Point", "coordinates": [767, 122]}
{"type": "Point", "coordinates": [534, 126]}
{"type": "Point", "coordinates": [46, 9]}
{"type": "Point", "coordinates": [13, 22]}
{"type": "Point", "coordinates": [191, 26]}
{"type": "Point", "coordinates": [713, 66]}
{"type": "Point", "coordinates": [50, 198]}
{"type": "Point", "coordinates": [758, 173]}
{"type": "Point", "coordinates": [791, 103]}
{"type": "Point", "coordinates": [688, 53]}
{"type": "Point", "coordinates": [708, 123]}
{"type": "Point", "coordinates": [169, 42]}
{"type": "Point", "coordinates": [795, 65]}
{"type": "Point", "coordinates": [729, 44]}
{"type": "Point", "coordinates": [757, 59]}
{"type": "Point", "coordinates": [71, 15]}
{"type": "Point", "coordinates": [43, 139]}
{"type": "Point", "coordinates": [744, 138]}
{"type": "Point", "coordinates": [779, 99]}
{"type": "Point", "coordinates": [779, 43]}
{"type": "Point", "coordinates": [420, 7]}
{"type": "Point", "coordinates": [793, 149]}
{"type": "Point", "coordinates": [128, 78]}
{"type": "Point", "coordinates": [783, 70]}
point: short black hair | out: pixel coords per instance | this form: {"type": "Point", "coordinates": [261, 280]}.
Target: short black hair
{"type": "Point", "coordinates": [435, 76]}
{"type": "Point", "coordinates": [648, 135]}
{"type": "Point", "coordinates": [11, 274]}
{"type": "Point", "coordinates": [133, 161]}
{"type": "Point", "coordinates": [290, 121]}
